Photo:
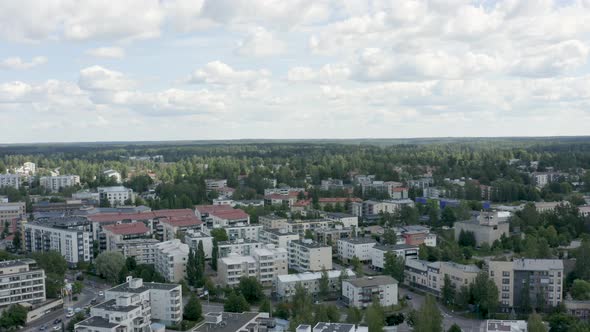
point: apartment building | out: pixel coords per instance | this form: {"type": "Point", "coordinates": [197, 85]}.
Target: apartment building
{"type": "Point", "coordinates": [548, 206]}
{"type": "Point", "coordinates": [236, 322]}
{"type": "Point", "coordinates": [242, 231]}
{"type": "Point", "coordinates": [140, 249]}
{"type": "Point", "coordinates": [360, 292]}
{"type": "Point", "coordinates": [118, 233]}
{"type": "Point", "coordinates": [288, 200]}
{"type": "Point", "coordinates": [495, 325]}
{"type": "Point", "coordinates": [174, 225]}
{"type": "Point", "coordinates": [541, 279]}
{"type": "Point", "coordinates": [344, 219]}
{"type": "Point", "coordinates": [277, 237]}
{"type": "Point", "coordinates": [170, 259]}
{"type": "Point", "coordinates": [70, 236]}
{"type": "Point", "coordinates": [285, 284]}
{"type": "Point", "coordinates": [487, 227]}
{"type": "Point", "coordinates": [21, 281]}
{"type": "Point", "coordinates": [11, 211]}
{"type": "Point", "coordinates": [111, 173]}
{"type": "Point", "coordinates": [132, 305]}
{"type": "Point", "coordinates": [215, 184]}
{"type": "Point", "coordinates": [429, 276]}
{"type": "Point", "coordinates": [55, 183]}
{"type": "Point", "coordinates": [373, 208]}
{"type": "Point", "coordinates": [378, 252]}
{"type": "Point", "coordinates": [300, 226]}
{"type": "Point", "coordinates": [202, 211]}
{"type": "Point", "coordinates": [10, 180]}
{"type": "Point", "coordinates": [330, 236]}
{"type": "Point", "coordinates": [227, 218]}
{"type": "Point", "coordinates": [331, 327]}
{"type": "Point", "coordinates": [305, 255]}
{"type": "Point", "coordinates": [421, 183]}
{"type": "Point", "coordinates": [264, 263]}
{"type": "Point", "coordinates": [193, 238]}
{"type": "Point", "coordinates": [283, 191]}
{"type": "Point", "coordinates": [272, 221]}
{"type": "Point", "coordinates": [116, 195]}
{"type": "Point", "coordinates": [355, 247]}
{"type": "Point", "coordinates": [334, 201]}
{"type": "Point", "coordinates": [27, 169]}
{"type": "Point", "coordinates": [240, 247]}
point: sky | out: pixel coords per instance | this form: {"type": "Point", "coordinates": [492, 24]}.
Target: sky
{"type": "Point", "coordinates": [139, 70]}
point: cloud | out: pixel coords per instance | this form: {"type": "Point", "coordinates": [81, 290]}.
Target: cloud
{"type": "Point", "coordinates": [260, 43]}
{"type": "Point", "coordinates": [219, 73]}
{"type": "Point", "coordinates": [97, 78]}
{"type": "Point", "coordinates": [107, 52]}
{"type": "Point", "coordinates": [16, 63]}
{"type": "Point", "coordinates": [328, 73]}
{"type": "Point", "coordinates": [552, 60]}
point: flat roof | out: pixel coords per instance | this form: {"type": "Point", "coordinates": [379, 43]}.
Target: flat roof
{"type": "Point", "coordinates": [146, 286]}
{"type": "Point", "coordinates": [17, 262]}
{"type": "Point", "coordinates": [333, 327]}
{"type": "Point", "coordinates": [359, 240]}
{"type": "Point", "coordinates": [111, 305]}
{"type": "Point", "coordinates": [97, 321]}
{"type": "Point", "coordinates": [231, 322]}
{"type": "Point", "coordinates": [372, 281]}
{"type": "Point", "coordinates": [537, 264]}
{"type": "Point", "coordinates": [393, 247]}
{"type": "Point", "coordinates": [308, 276]}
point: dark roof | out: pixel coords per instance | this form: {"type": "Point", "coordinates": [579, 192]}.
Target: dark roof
{"type": "Point", "coordinates": [372, 281]}
{"type": "Point", "coordinates": [99, 322]}
{"type": "Point", "coordinates": [231, 322]}
{"type": "Point", "coordinates": [333, 327]}
{"type": "Point", "coordinates": [390, 247]}
{"type": "Point", "coordinates": [146, 285]}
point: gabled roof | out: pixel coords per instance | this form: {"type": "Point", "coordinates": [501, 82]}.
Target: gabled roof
{"type": "Point", "coordinates": [212, 208]}
{"type": "Point", "coordinates": [182, 221]}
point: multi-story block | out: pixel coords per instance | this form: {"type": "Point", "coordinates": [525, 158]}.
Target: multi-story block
{"type": "Point", "coordinates": [118, 233]}
{"type": "Point", "coordinates": [111, 173]}
{"type": "Point", "coordinates": [486, 227]}
{"type": "Point", "coordinates": [170, 259]}
{"type": "Point", "coordinates": [305, 255]}
{"type": "Point", "coordinates": [55, 183]}
{"type": "Point", "coordinates": [344, 219]}
{"type": "Point", "coordinates": [300, 226]}
{"type": "Point", "coordinates": [238, 247]}
{"type": "Point", "coordinates": [70, 236]}
{"type": "Point", "coordinates": [242, 231]}
{"type": "Point", "coordinates": [330, 236]}
{"type": "Point", "coordinates": [421, 183]}
{"type": "Point", "coordinates": [10, 180]}
{"type": "Point", "coordinates": [272, 221]}
{"type": "Point", "coordinates": [548, 206]}
{"type": "Point", "coordinates": [116, 195]}
{"type": "Point", "coordinates": [334, 201]}
{"type": "Point", "coordinates": [236, 322]}
{"type": "Point", "coordinates": [356, 247]}
{"type": "Point", "coordinates": [429, 276]}
{"type": "Point", "coordinates": [21, 281]}
{"type": "Point", "coordinates": [331, 327]}
{"type": "Point", "coordinates": [360, 292]}
{"type": "Point", "coordinates": [230, 269]}
{"type": "Point", "coordinates": [539, 279]}
{"type": "Point", "coordinates": [578, 309]}
{"type": "Point", "coordinates": [132, 305]}
{"type": "Point", "coordinates": [265, 264]}
{"type": "Point", "coordinates": [215, 184]}
{"type": "Point", "coordinates": [179, 225]}
{"type": "Point", "coordinates": [285, 284]}
{"type": "Point", "coordinates": [140, 249]}
{"type": "Point", "coordinates": [405, 251]}
{"type": "Point", "coordinates": [227, 218]}
{"type": "Point", "coordinates": [193, 238]}
{"type": "Point", "coordinates": [277, 237]}
{"type": "Point", "coordinates": [494, 325]}
{"type": "Point", "coordinates": [11, 211]}
{"type": "Point", "coordinates": [373, 208]}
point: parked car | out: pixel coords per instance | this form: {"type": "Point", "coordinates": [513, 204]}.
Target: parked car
{"type": "Point", "coordinates": [77, 310]}
{"type": "Point", "coordinates": [70, 314]}
{"type": "Point", "coordinates": [57, 321]}
{"type": "Point", "coordinates": [43, 327]}
{"type": "Point", "coordinates": [57, 327]}
{"type": "Point", "coordinates": [408, 297]}
{"type": "Point", "coordinates": [93, 301]}
{"type": "Point", "coordinates": [101, 293]}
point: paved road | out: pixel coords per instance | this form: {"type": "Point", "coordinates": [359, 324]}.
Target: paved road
{"type": "Point", "coordinates": [89, 292]}
{"type": "Point", "coordinates": [449, 318]}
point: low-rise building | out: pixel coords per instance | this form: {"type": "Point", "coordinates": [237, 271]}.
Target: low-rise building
{"type": "Point", "coordinates": [487, 227]}
{"type": "Point", "coordinates": [11, 211]}
{"type": "Point", "coordinates": [548, 206]}
{"type": "Point", "coordinates": [272, 221]}
{"type": "Point", "coordinates": [405, 251]}
{"type": "Point", "coordinates": [215, 184]}
{"type": "Point", "coordinates": [360, 292]}
{"type": "Point", "coordinates": [111, 173]}
{"type": "Point", "coordinates": [305, 255]}
{"type": "Point", "coordinates": [285, 284]}
{"type": "Point", "coordinates": [345, 219]}
{"type": "Point", "coordinates": [495, 325]}
{"type": "Point", "coordinates": [236, 322]}
{"type": "Point", "coordinates": [541, 279]}
{"type": "Point", "coordinates": [287, 200]}
{"type": "Point", "coordinates": [170, 259]}
{"type": "Point", "coordinates": [578, 309]}
{"type": "Point", "coordinates": [55, 183]}
{"type": "Point", "coordinates": [331, 327]}
{"type": "Point", "coordinates": [359, 247]}
{"type": "Point", "coordinates": [132, 305]}
{"type": "Point", "coordinates": [21, 281]}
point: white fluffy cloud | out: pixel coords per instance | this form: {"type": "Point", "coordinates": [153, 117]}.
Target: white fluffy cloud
{"type": "Point", "coordinates": [107, 52]}
{"type": "Point", "coordinates": [260, 43]}
{"type": "Point", "coordinates": [217, 72]}
{"type": "Point", "coordinates": [16, 63]}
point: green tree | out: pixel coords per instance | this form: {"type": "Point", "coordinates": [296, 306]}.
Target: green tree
{"type": "Point", "coordinates": [193, 310]}
{"type": "Point", "coordinates": [282, 311]}
{"type": "Point", "coordinates": [324, 284]}
{"type": "Point", "coordinates": [265, 306]}
{"type": "Point", "coordinates": [219, 234]}
{"type": "Point", "coordinates": [251, 289]}
{"type": "Point", "coordinates": [191, 268]}
{"type": "Point", "coordinates": [535, 323]}
{"type": "Point", "coordinates": [430, 318]}
{"type": "Point", "coordinates": [55, 267]}
{"type": "Point", "coordinates": [454, 328]}
{"type": "Point", "coordinates": [214, 255]}
{"type": "Point", "coordinates": [357, 266]}
{"type": "Point", "coordinates": [485, 294]}
{"type": "Point", "coordinates": [77, 287]}
{"type": "Point", "coordinates": [308, 234]}
{"type": "Point", "coordinates": [394, 266]}
{"type": "Point", "coordinates": [582, 267]}
{"type": "Point", "coordinates": [13, 316]}
{"type": "Point", "coordinates": [354, 315]}
{"type": "Point", "coordinates": [375, 317]}
{"type": "Point", "coordinates": [466, 239]}
{"type": "Point", "coordinates": [389, 237]}
{"type": "Point", "coordinates": [109, 264]}
{"type": "Point", "coordinates": [75, 320]}
{"type": "Point", "coordinates": [341, 277]}
{"type": "Point", "coordinates": [131, 263]}
{"type": "Point", "coordinates": [448, 291]}
{"type": "Point", "coordinates": [236, 303]}
{"type": "Point", "coordinates": [580, 290]}
{"type": "Point", "coordinates": [17, 241]}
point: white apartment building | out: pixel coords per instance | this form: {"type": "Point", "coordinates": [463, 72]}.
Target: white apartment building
{"type": "Point", "coordinates": [277, 237]}
{"type": "Point", "coordinates": [192, 238]}
{"type": "Point", "coordinates": [429, 276]}
{"type": "Point", "coordinates": [300, 226]}
{"type": "Point", "coordinates": [347, 220]}
{"type": "Point", "coordinates": [238, 247]}
{"type": "Point", "coordinates": [332, 327]}
{"type": "Point", "coordinates": [132, 305]}
{"type": "Point", "coordinates": [227, 218]}
{"type": "Point", "coordinates": [26, 169]}
{"type": "Point", "coordinates": [174, 225]}
{"type": "Point", "coordinates": [264, 263]}
{"type": "Point", "coordinates": [236, 322]}
{"type": "Point", "coordinates": [11, 211]}
{"type": "Point", "coordinates": [116, 195]}
{"type": "Point", "coordinates": [21, 282]}
{"type": "Point", "coordinates": [111, 173]}
{"type": "Point", "coordinates": [10, 180]}
{"type": "Point", "coordinates": [283, 191]}
{"type": "Point", "coordinates": [243, 231]}
{"type": "Point", "coordinates": [70, 236]}
{"type": "Point", "coordinates": [494, 325]}
{"type": "Point", "coordinates": [170, 259]}
{"type": "Point", "coordinates": [272, 221]}
{"type": "Point", "coordinates": [285, 284]}
{"type": "Point", "coordinates": [139, 249]}
{"type": "Point", "coordinates": [486, 227]}
{"type": "Point", "coordinates": [55, 183]}
{"type": "Point", "coordinates": [359, 292]}
{"type": "Point", "coordinates": [305, 255]}
{"type": "Point", "coordinates": [355, 247]}
{"type": "Point", "coordinates": [405, 251]}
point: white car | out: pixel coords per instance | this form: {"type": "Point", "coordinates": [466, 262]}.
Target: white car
{"type": "Point", "coordinates": [70, 314]}
{"type": "Point", "coordinates": [101, 293]}
{"type": "Point", "coordinates": [57, 327]}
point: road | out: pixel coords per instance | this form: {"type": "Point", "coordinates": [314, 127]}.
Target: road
{"type": "Point", "coordinates": [89, 292]}
{"type": "Point", "coordinates": [449, 318]}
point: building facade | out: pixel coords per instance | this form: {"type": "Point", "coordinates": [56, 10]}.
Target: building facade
{"type": "Point", "coordinates": [116, 195]}
{"type": "Point", "coordinates": [305, 255]}
{"type": "Point", "coordinates": [170, 258]}
{"type": "Point", "coordinates": [21, 281]}
{"type": "Point", "coordinates": [360, 292]}
{"type": "Point", "coordinates": [55, 183]}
